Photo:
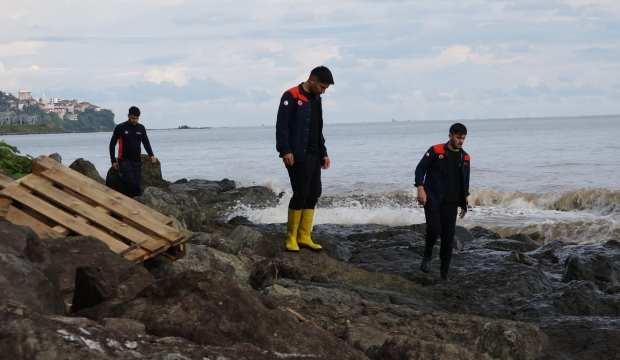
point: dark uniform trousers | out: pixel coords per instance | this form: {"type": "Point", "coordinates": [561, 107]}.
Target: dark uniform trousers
{"type": "Point", "coordinates": [440, 222]}
{"type": "Point", "coordinates": [131, 174]}
{"type": "Point", "coordinates": [306, 182]}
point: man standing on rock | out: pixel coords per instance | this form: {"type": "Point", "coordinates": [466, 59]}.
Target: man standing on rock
{"type": "Point", "coordinates": [301, 145]}
{"type": "Point", "coordinates": [130, 136]}
{"type": "Point", "coordinates": [442, 181]}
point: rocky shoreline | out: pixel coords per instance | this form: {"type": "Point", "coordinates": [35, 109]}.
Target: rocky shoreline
{"type": "Point", "coordinates": [238, 295]}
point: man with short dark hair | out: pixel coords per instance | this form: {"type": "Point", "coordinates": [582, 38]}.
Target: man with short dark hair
{"type": "Point", "coordinates": [301, 145]}
{"type": "Point", "coordinates": [442, 180]}
{"type": "Point", "coordinates": [129, 136]}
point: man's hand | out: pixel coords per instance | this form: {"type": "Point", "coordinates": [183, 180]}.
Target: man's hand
{"type": "Point", "coordinates": [326, 163]}
{"type": "Point", "coordinates": [153, 159]}
{"type": "Point", "coordinates": [288, 159]}
{"type": "Point", "coordinates": [421, 196]}
{"type": "Point", "coordinates": [115, 165]}
{"type": "Point", "coordinates": [463, 211]}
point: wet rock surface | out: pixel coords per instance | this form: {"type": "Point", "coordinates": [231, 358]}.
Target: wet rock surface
{"type": "Point", "coordinates": [238, 295]}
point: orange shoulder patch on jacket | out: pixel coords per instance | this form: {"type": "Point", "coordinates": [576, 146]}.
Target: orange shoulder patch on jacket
{"type": "Point", "coordinates": [439, 149]}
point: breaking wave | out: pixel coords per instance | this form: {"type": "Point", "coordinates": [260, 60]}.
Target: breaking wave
{"type": "Point", "coordinates": [602, 201]}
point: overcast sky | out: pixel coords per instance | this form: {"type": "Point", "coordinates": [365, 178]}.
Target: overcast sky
{"type": "Point", "coordinates": [226, 63]}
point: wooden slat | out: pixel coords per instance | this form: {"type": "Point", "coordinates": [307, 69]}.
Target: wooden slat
{"type": "Point", "coordinates": [5, 180]}
{"type": "Point", "coordinates": [137, 254]}
{"type": "Point", "coordinates": [115, 204]}
{"type": "Point", "coordinates": [19, 217]}
{"type": "Point", "coordinates": [44, 163]}
{"type": "Point", "coordinates": [5, 203]}
{"type": "Point", "coordinates": [62, 218]}
{"type": "Point", "coordinates": [47, 189]}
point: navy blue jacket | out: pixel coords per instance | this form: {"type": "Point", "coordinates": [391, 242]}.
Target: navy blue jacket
{"type": "Point", "coordinates": [433, 174]}
{"type": "Point", "coordinates": [293, 124]}
{"type": "Point", "coordinates": [130, 138]}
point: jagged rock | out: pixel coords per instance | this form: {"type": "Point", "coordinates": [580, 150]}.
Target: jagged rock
{"type": "Point", "coordinates": [86, 168]}
{"type": "Point", "coordinates": [217, 312]}
{"type": "Point", "coordinates": [480, 232]}
{"type": "Point", "coordinates": [182, 206]}
{"type": "Point", "coordinates": [585, 299]}
{"type": "Point", "coordinates": [521, 245]}
{"type": "Point", "coordinates": [203, 185]}
{"type": "Point", "coordinates": [199, 204]}
{"type": "Point", "coordinates": [27, 335]}
{"type": "Point", "coordinates": [128, 327]}
{"type": "Point", "coordinates": [151, 173]}
{"type": "Point", "coordinates": [91, 288]}
{"type": "Point", "coordinates": [244, 237]}
{"type": "Point", "coordinates": [575, 338]}
{"type": "Point", "coordinates": [23, 276]}
{"type": "Point", "coordinates": [114, 181]}
{"type": "Point", "coordinates": [123, 277]}
{"type": "Point", "coordinates": [601, 267]}
{"type": "Point", "coordinates": [56, 156]}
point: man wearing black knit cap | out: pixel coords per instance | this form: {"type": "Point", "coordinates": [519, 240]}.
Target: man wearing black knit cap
{"type": "Point", "coordinates": [301, 145]}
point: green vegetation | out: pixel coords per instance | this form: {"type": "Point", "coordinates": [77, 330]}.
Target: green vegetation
{"type": "Point", "coordinates": [91, 120]}
{"type": "Point", "coordinates": [12, 163]}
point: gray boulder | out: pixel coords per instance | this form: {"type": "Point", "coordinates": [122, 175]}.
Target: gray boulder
{"type": "Point", "coordinates": [86, 168]}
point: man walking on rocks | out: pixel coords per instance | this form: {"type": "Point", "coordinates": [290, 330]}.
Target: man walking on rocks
{"type": "Point", "coordinates": [130, 136]}
{"type": "Point", "coordinates": [442, 181]}
{"type": "Point", "coordinates": [301, 145]}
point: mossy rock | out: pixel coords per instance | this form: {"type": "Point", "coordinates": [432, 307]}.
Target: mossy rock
{"type": "Point", "coordinates": [12, 163]}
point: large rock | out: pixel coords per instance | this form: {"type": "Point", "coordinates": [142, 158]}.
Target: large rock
{"type": "Point", "coordinates": [151, 173]}
{"type": "Point", "coordinates": [123, 278]}
{"type": "Point", "coordinates": [210, 309]}
{"type": "Point", "coordinates": [86, 168]}
{"type": "Point", "coordinates": [597, 263]}
{"type": "Point", "coordinates": [27, 335]}
{"type": "Point", "coordinates": [25, 277]}
{"type": "Point", "coordinates": [576, 338]}
{"type": "Point", "coordinates": [200, 203]}
{"type": "Point", "coordinates": [182, 206]}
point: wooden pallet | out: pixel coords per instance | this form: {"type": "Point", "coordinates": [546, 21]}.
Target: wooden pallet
{"type": "Point", "coordinates": [56, 201]}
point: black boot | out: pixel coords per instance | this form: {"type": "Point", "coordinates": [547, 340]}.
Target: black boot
{"type": "Point", "coordinates": [445, 266]}
{"type": "Point", "coordinates": [425, 266]}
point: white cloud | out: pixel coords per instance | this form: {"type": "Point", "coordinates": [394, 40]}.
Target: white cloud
{"type": "Point", "coordinates": [309, 57]}
{"type": "Point", "coordinates": [20, 48]}
{"type": "Point", "coordinates": [165, 3]}
{"type": "Point", "coordinates": [458, 54]}
{"type": "Point", "coordinates": [173, 74]}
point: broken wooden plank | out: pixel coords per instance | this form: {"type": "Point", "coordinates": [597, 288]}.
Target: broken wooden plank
{"type": "Point", "coordinates": [46, 188]}
{"type": "Point", "coordinates": [116, 205]}
{"type": "Point", "coordinates": [44, 163]}
{"type": "Point", "coordinates": [16, 192]}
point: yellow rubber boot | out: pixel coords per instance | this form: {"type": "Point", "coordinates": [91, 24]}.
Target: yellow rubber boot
{"type": "Point", "coordinates": [294, 217]}
{"type": "Point", "coordinates": [305, 230]}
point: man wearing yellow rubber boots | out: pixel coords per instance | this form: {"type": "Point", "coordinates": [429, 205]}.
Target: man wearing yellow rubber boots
{"type": "Point", "coordinates": [301, 145]}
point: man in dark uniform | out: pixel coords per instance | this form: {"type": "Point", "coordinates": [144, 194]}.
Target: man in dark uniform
{"type": "Point", "coordinates": [442, 181]}
{"type": "Point", "coordinates": [130, 136]}
{"type": "Point", "coordinates": [301, 145]}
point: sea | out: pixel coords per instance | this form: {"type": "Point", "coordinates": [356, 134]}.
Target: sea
{"type": "Point", "coordinates": [551, 178]}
